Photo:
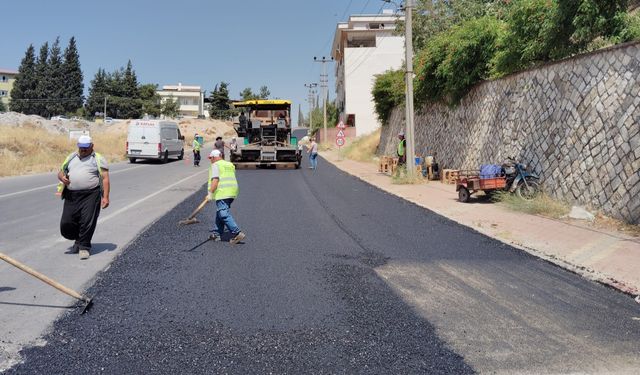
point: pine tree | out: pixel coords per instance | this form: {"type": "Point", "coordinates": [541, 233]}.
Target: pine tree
{"type": "Point", "coordinates": [219, 100]}
{"type": "Point", "coordinates": [131, 106]}
{"type": "Point", "coordinates": [247, 94]}
{"type": "Point", "coordinates": [54, 83]}
{"type": "Point", "coordinates": [150, 100]}
{"type": "Point", "coordinates": [264, 92]}
{"type": "Point", "coordinates": [97, 92]}
{"type": "Point", "coordinates": [39, 106]}
{"type": "Point", "coordinates": [25, 84]}
{"type": "Point", "coordinates": [72, 78]}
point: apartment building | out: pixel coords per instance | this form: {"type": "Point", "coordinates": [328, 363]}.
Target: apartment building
{"type": "Point", "coordinates": [7, 78]}
{"type": "Point", "coordinates": [364, 46]}
{"type": "Point", "coordinates": [190, 99]}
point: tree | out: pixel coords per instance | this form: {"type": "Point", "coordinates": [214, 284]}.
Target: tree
{"type": "Point", "coordinates": [170, 107]}
{"type": "Point", "coordinates": [24, 87]}
{"type": "Point", "coordinates": [219, 101]}
{"type": "Point", "coordinates": [3, 108]}
{"type": "Point", "coordinates": [98, 89]}
{"type": "Point", "coordinates": [54, 82]}
{"type": "Point", "coordinates": [150, 99]}
{"type": "Point", "coordinates": [264, 92]}
{"type": "Point", "coordinates": [72, 78]}
{"type": "Point", "coordinates": [130, 106]}
{"type": "Point", "coordinates": [247, 94]}
{"type": "Point", "coordinates": [39, 106]}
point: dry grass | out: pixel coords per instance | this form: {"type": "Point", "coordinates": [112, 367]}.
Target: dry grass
{"type": "Point", "coordinates": [400, 177]}
{"type": "Point", "coordinates": [29, 149]}
{"type": "Point", "coordinates": [363, 148]}
{"type": "Point", "coordinates": [541, 205]}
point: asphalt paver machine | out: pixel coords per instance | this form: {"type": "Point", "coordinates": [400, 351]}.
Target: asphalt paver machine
{"type": "Point", "coordinates": [264, 127]}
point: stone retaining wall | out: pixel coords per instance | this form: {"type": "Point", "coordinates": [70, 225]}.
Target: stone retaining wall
{"type": "Point", "coordinates": [577, 122]}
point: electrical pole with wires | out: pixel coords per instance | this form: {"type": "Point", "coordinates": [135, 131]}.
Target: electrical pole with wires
{"type": "Point", "coordinates": [410, 131]}
{"type": "Point", "coordinates": [311, 86]}
{"type": "Point", "coordinates": [324, 84]}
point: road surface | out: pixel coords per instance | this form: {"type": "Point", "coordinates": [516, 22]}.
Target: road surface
{"type": "Point", "coordinates": [336, 276]}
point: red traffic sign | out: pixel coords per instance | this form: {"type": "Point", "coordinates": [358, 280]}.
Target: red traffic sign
{"type": "Point", "coordinates": [341, 125]}
{"type": "Point", "coordinates": [340, 142]}
{"type": "Point", "coordinates": [340, 134]}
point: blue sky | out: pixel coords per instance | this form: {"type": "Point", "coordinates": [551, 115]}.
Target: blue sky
{"type": "Point", "coordinates": [246, 43]}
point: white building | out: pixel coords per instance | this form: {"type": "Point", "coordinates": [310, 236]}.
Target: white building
{"type": "Point", "coordinates": [364, 46]}
{"type": "Point", "coordinates": [190, 99]}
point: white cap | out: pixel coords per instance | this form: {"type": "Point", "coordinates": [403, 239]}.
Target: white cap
{"type": "Point", "coordinates": [215, 154]}
{"type": "Point", "coordinates": [84, 141]}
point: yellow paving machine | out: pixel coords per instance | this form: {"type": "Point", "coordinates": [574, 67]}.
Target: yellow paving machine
{"type": "Point", "coordinates": [264, 127]}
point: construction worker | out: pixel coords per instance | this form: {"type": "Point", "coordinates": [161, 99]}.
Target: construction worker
{"type": "Point", "coordinates": [84, 186]}
{"type": "Point", "coordinates": [223, 189]}
{"type": "Point", "coordinates": [402, 149]}
{"type": "Point", "coordinates": [196, 151]}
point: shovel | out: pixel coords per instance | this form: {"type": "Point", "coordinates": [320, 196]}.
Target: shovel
{"type": "Point", "coordinates": [192, 218]}
{"type": "Point", "coordinates": [87, 301]}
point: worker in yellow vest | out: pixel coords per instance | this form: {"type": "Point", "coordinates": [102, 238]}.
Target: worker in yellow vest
{"type": "Point", "coordinates": [223, 189]}
{"type": "Point", "coordinates": [196, 151]}
{"type": "Point", "coordinates": [402, 149]}
{"type": "Point", "coordinates": [84, 186]}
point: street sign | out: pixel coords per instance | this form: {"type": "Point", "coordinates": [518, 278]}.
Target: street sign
{"type": "Point", "coordinates": [340, 142]}
{"type": "Point", "coordinates": [340, 134]}
{"type": "Point", "coordinates": [340, 125]}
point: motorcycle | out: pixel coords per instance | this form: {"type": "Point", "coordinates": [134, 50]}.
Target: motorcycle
{"type": "Point", "coordinates": [521, 180]}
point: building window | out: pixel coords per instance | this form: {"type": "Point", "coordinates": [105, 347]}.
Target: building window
{"type": "Point", "coordinates": [375, 26]}
{"type": "Point", "coordinates": [3, 93]}
{"type": "Point", "coordinates": [4, 79]}
{"type": "Point", "coordinates": [362, 42]}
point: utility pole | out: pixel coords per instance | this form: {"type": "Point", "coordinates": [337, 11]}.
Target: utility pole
{"type": "Point", "coordinates": [324, 81]}
{"type": "Point", "coordinates": [312, 92]}
{"type": "Point", "coordinates": [409, 131]}
{"type": "Point", "coordinates": [104, 112]}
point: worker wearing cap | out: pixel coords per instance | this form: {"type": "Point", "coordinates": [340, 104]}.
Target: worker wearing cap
{"type": "Point", "coordinates": [196, 151]}
{"type": "Point", "coordinates": [402, 149]}
{"type": "Point", "coordinates": [223, 189]}
{"type": "Point", "coordinates": [84, 186]}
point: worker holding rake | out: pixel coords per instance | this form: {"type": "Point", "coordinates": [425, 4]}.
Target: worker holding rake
{"type": "Point", "coordinates": [223, 189]}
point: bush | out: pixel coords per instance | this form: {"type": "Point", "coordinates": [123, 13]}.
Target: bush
{"type": "Point", "coordinates": [454, 61]}
{"type": "Point", "coordinates": [388, 92]}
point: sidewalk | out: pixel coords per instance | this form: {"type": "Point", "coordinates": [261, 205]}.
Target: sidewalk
{"type": "Point", "coordinates": [608, 257]}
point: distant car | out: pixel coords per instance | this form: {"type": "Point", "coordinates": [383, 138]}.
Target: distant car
{"type": "Point", "coordinates": [59, 118]}
{"type": "Point", "coordinates": [108, 120]}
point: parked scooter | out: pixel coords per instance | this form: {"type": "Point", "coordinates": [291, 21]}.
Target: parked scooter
{"type": "Point", "coordinates": [520, 180]}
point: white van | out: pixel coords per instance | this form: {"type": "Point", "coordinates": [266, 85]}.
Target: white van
{"type": "Point", "coordinates": [154, 139]}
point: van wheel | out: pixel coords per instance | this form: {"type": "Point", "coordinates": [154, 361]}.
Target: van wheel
{"type": "Point", "coordinates": [165, 159]}
{"type": "Point", "coordinates": [132, 160]}
{"type": "Point", "coordinates": [181, 156]}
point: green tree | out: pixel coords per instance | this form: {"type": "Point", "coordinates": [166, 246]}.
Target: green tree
{"type": "Point", "coordinates": [388, 92]}
{"type": "Point", "coordinates": [98, 89]}
{"type": "Point", "coordinates": [150, 99]}
{"type": "Point", "coordinates": [55, 81]}
{"type": "Point", "coordinates": [219, 99]}
{"type": "Point", "coordinates": [130, 106]}
{"type": "Point", "coordinates": [264, 92]}
{"type": "Point", "coordinates": [72, 78]}
{"type": "Point", "coordinates": [24, 88]}
{"type": "Point", "coordinates": [247, 94]}
{"type": "Point", "coordinates": [41, 95]}
{"type": "Point", "coordinates": [3, 108]}
{"type": "Point", "coordinates": [170, 107]}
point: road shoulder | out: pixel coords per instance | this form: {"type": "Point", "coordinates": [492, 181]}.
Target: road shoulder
{"type": "Point", "coordinates": [607, 257]}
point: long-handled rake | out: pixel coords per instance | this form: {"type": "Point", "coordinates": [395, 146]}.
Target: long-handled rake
{"type": "Point", "coordinates": [192, 218]}
{"type": "Point", "coordinates": [87, 301]}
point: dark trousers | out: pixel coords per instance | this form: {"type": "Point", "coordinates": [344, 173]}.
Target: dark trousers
{"type": "Point", "coordinates": [196, 157]}
{"type": "Point", "coordinates": [80, 216]}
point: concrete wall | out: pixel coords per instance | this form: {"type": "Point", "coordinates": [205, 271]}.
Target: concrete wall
{"type": "Point", "coordinates": [577, 122]}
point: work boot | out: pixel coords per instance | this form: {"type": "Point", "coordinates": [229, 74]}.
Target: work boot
{"type": "Point", "coordinates": [84, 254]}
{"type": "Point", "coordinates": [214, 237]}
{"type": "Point", "coordinates": [238, 237]}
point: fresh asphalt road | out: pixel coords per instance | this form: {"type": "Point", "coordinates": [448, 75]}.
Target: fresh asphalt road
{"type": "Point", "coordinates": [29, 233]}
{"type": "Point", "coordinates": [336, 276]}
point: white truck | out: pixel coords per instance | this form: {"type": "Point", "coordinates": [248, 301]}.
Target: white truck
{"type": "Point", "coordinates": [154, 139]}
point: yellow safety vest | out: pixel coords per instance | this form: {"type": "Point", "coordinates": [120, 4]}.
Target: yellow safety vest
{"type": "Point", "coordinates": [401, 148]}
{"type": "Point", "coordinates": [196, 145]}
{"type": "Point", "coordinates": [227, 183]}
{"type": "Point", "coordinates": [65, 169]}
